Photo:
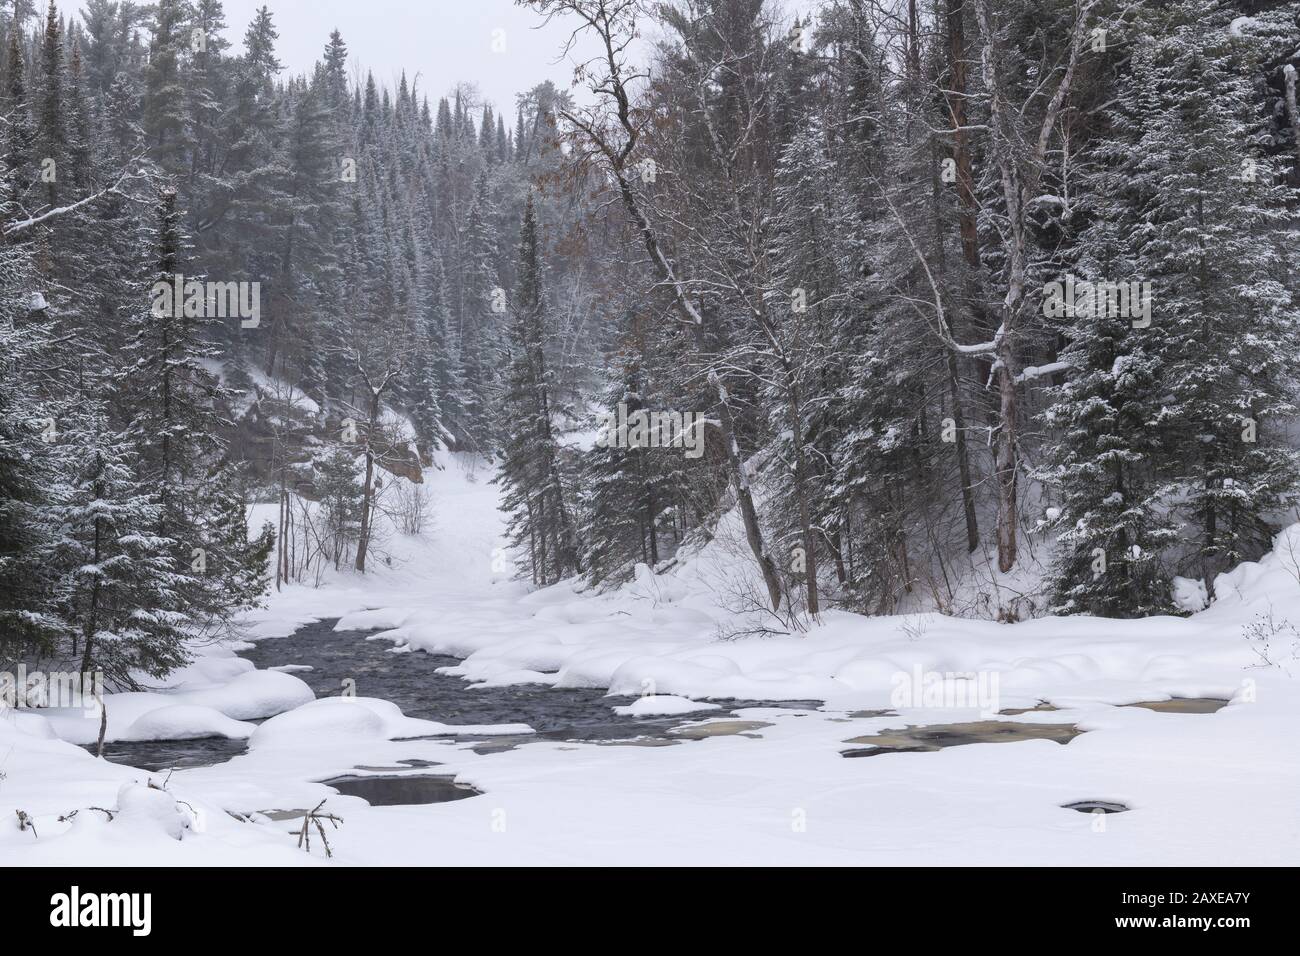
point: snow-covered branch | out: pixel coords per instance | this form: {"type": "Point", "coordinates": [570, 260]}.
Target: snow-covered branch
{"type": "Point", "coordinates": [16, 228]}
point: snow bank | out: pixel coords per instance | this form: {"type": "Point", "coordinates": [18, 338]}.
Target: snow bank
{"type": "Point", "coordinates": [150, 808]}
{"type": "Point", "coordinates": [327, 722]}
{"type": "Point", "coordinates": [215, 710]}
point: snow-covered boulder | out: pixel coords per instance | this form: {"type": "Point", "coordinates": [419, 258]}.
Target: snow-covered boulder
{"type": "Point", "coordinates": [324, 722]}
{"type": "Point", "coordinates": [186, 722]}
{"type": "Point", "coordinates": [332, 720]}
{"type": "Point", "coordinates": [254, 694]}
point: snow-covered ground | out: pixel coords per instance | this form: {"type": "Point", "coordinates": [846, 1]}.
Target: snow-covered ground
{"type": "Point", "coordinates": [1218, 788]}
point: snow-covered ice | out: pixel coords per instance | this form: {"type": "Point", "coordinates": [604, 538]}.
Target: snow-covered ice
{"type": "Point", "coordinates": [664, 704]}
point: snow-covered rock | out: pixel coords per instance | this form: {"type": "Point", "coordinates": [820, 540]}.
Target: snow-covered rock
{"type": "Point", "coordinates": [325, 722]}
{"type": "Point", "coordinates": [656, 705]}
{"type": "Point", "coordinates": [254, 694]}
{"type": "Point", "coordinates": [186, 722]}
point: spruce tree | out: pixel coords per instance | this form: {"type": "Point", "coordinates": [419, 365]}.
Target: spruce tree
{"type": "Point", "coordinates": [1173, 426]}
{"type": "Point", "coordinates": [1216, 243]}
{"type": "Point", "coordinates": [28, 466]}
{"type": "Point", "coordinates": [539, 521]}
{"type": "Point", "coordinates": [167, 123]}
{"type": "Point", "coordinates": [176, 420]}
{"type": "Point", "coordinates": [121, 597]}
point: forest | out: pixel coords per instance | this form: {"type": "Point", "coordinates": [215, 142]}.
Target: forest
{"type": "Point", "coordinates": [982, 308]}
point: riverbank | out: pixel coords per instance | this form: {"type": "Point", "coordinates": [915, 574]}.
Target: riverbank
{"type": "Point", "coordinates": [768, 784]}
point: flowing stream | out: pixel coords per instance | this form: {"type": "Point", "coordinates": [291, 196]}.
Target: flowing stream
{"type": "Point", "coordinates": [412, 682]}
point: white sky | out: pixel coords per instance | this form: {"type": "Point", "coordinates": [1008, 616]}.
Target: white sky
{"type": "Point", "coordinates": [443, 41]}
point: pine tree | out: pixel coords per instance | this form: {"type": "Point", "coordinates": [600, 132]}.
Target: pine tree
{"type": "Point", "coordinates": [336, 71]}
{"type": "Point", "coordinates": [1223, 313]}
{"type": "Point", "coordinates": [167, 124]}
{"type": "Point", "coordinates": [174, 402]}
{"type": "Point", "coordinates": [27, 466]}
{"type": "Point", "coordinates": [19, 136]}
{"type": "Point", "coordinates": [335, 478]}
{"type": "Point", "coordinates": [1110, 437]}
{"type": "Point", "coordinates": [479, 338]}
{"type": "Point", "coordinates": [1166, 419]}
{"type": "Point", "coordinates": [120, 594]}
{"type": "Point", "coordinates": [53, 141]}
{"type": "Point", "coordinates": [534, 493]}
{"type": "Point", "coordinates": [435, 386]}
{"type": "Point", "coordinates": [629, 495]}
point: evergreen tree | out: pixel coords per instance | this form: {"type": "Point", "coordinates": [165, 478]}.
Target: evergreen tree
{"type": "Point", "coordinates": [19, 136]}
{"type": "Point", "coordinates": [167, 124]}
{"type": "Point", "coordinates": [174, 403]}
{"type": "Point", "coordinates": [53, 141]}
{"type": "Point", "coordinates": [480, 297]}
{"type": "Point", "coordinates": [27, 466]}
{"type": "Point", "coordinates": [335, 478]}
{"type": "Point", "coordinates": [1215, 241]}
{"type": "Point", "coordinates": [121, 596]}
{"type": "Point", "coordinates": [534, 493]}
{"type": "Point", "coordinates": [1167, 417]}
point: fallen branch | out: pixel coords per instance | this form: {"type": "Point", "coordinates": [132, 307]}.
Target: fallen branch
{"type": "Point", "coordinates": [68, 816]}
{"type": "Point", "coordinates": [314, 818]}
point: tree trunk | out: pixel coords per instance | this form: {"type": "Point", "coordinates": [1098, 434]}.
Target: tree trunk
{"type": "Point", "coordinates": [103, 727]}
{"type": "Point", "coordinates": [801, 493]}
{"type": "Point", "coordinates": [748, 513]}
{"type": "Point", "coordinates": [689, 314]}
{"type": "Point", "coordinates": [650, 525]}
{"type": "Point", "coordinates": [367, 491]}
{"type": "Point", "coordinates": [967, 228]}
{"type": "Point", "coordinates": [956, 97]}
{"type": "Point", "coordinates": [1007, 464]}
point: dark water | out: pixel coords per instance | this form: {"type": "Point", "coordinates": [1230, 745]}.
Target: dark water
{"type": "Point", "coordinates": [391, 791]}
{"type": "Point", "coordinates": [156, 756]}
{"type": "Point", "coordinates": [1096, 806]}
{"type": "Point", "coordinates": [412, 682]}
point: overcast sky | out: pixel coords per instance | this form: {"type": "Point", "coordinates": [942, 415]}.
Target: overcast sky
{"type": "Point", "coordinates": [444, 41]}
